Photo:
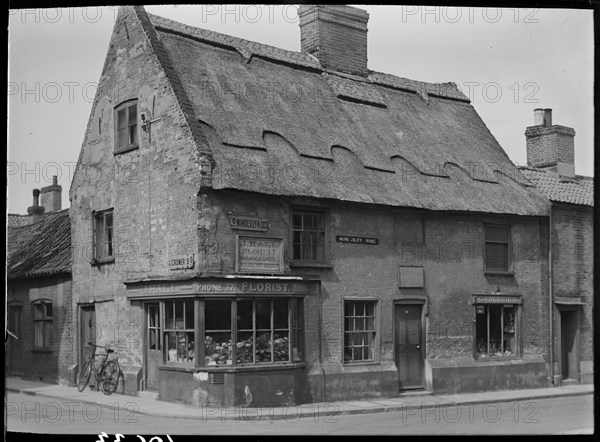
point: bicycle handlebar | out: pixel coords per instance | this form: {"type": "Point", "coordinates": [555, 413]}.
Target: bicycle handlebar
{"type": "Point", "coordinates": [99, 346]}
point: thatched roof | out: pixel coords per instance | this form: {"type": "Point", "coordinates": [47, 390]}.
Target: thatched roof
{"type": "Point", "coordinates": [40, 249]}
{"type": "Point", "coordinates": [576, 190]}
{"type": "Point", "coordinates": [278, 123]}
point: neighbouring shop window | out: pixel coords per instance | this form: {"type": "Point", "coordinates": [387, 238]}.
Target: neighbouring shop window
{"type": "Point", "coordinates": [497, 250]}
{"type": "Point", "coordinates": [238, 331]}
{"type": "Point", "coordinates": [42, 323]}
{"type": "Point", "coordinates": [126, 127]}
{"type": "Point", "coordinates": [359, 331]}
{"type": "Point", "coordinates": [103, 235]}
{"type": "Point", "coordinates": [496, 330]}
{"type": "Point", "coordinates": [308, 235]}
{"type": "Point", "coordinates": [179, 331]}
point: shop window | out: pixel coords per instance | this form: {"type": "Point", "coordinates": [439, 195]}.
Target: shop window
{"type": "Point", "coordinates": [497, 248]}
{"type": "Point", "coordinates": [126, 127]}
{"type": "Point", "coordinates": [179, 331]}
{"type": "Point", "coordinates": [42, 324]}
{"type": "Point", "coordinates": [103, 236]}
{"type": "Point", "coordinates": [495, 331]}
{"type": "Point", "coordinates": [359, 331]}
{"type": "Point", "coordinates": [308, 235]}
{"type": "Point", "coordinates": [218, 332]}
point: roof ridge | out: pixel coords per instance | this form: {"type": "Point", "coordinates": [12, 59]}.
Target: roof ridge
{"type": "Point", "coordinates": [446, 89]}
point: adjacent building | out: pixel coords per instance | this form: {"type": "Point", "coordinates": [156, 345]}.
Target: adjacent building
{"type": "Point", "coordinates": [39, 301]}
{"type": "Point", "coordinates": [551, 167]}
{"type": "Point", "coordinates": [279, 227]}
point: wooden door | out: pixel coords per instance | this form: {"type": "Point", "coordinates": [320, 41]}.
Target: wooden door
{"type": "Point", "coordinates": [154, 355]}
{"type": "Point", "coordinates": [569, 333]}
{"type": "Point", "coordinates": [87, 331]}
{"type": "Point", "coordinates": [15, 346]}
{"type": "Point", "coordinates": [408, 345]}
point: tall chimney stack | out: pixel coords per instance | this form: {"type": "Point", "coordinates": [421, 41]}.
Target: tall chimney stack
{"type": "Point", "coordinates": [336, 35]}
{"type": "Point", "coordinates": [52, 196]}
{"type": "Point", "coordinates": [550, 146]}
{"type": "Point", "coordinates": [36, 211]}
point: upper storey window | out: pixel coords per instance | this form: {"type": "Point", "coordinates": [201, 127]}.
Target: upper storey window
{"type": "Point", "coordinates": [126, 126]}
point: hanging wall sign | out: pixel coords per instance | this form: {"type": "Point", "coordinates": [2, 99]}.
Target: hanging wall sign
{"type": "Point", "coordinates": [357, 240]}
{"type": "Point", "coordinates": [249, 223]}
{"type": "Point", "coordinates": [259, 255]}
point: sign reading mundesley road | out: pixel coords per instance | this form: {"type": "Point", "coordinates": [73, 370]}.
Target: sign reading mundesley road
{"type": "Point", "coordinates": [357, 240]}
{"type": "Point", "coordinates": [259, 255]}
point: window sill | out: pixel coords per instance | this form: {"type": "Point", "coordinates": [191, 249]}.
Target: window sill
{"type": "Point", "coordinates": [97, 262]}
{"type": "Point", "coordinates": [315, 264]}
{"type": "Point", "coordinates": [359, 363]}
{"type": "Point", "coordinates": [124, 150]}
{"type": "Point", "coordinates": [496, 358]}
{"type": "Point", "coordinates": [41, 350]}
{"type": "Point", "coordinates": [499, 272]}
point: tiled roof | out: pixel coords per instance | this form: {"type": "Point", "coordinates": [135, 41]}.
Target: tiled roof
{"type": "Point", "coordinates": [277, 122]}
{"type": "Point", "coordinates": [40, 249]}
{"type": "Point", "coordinates": [576, 190]}
{"type": "Point", "coordinates": [15, 220]}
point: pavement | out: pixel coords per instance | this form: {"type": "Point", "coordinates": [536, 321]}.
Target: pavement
{"type": "Point", "coordinates": [147, 402]}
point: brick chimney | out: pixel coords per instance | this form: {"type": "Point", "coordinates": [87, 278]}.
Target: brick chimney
{"type": "Point", "coordinates": [52, 196]}
{"type": "Point", "coordinates": [550, 146]}
{"type": "Point", "coordinates": [36, 212]}
{"type": "Point", "coordinates": [336, 35]}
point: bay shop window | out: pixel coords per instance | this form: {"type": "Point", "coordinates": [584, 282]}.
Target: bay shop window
{"type": "Point", "coordinates": [232, 332]}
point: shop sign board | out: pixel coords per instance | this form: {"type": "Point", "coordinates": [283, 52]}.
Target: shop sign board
{"type": "Point", "coordinates": [259, 255]}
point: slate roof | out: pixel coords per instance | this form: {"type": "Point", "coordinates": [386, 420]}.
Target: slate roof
{"type": "Point", "coordinates": [40, 249]}
{"type": "Point", "coordinates": [277, 122]}
{"type": "Point", "coordinates": [15, 220]}
{"type": "Point", "coordinates": [576, 190]}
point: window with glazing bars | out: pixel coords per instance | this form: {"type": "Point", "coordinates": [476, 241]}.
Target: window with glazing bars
{"type": "Point", "coordinates": [308, 235]}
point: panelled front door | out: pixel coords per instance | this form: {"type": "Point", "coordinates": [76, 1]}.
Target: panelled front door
{"type": "Point", "coordinates": [15, 347]}
{"type": "Point", "coordinates": [87, 331]}
{"type": "Point", "coordinates": [408, 351]}
{"type": "Point", "coordinates": [153, 346]}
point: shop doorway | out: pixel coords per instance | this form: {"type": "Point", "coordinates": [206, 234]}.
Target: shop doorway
{"type": "Point", "coordinates": [408, 345]}
{"type": "Point", "coordinates": [569, 343]}
{"type": "Point", "coordinates": [15, 347]}
{"type": "Point", "coordinates": [153, 346]}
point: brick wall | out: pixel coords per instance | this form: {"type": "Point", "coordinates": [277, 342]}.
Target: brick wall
{"type": "Point", "coordinates": [573, 261]}
{"type": "Point", "coordinates": [152, 189]}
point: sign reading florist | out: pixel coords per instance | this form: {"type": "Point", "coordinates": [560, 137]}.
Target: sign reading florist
{"type": "Point", "coordinates": [259, 255]}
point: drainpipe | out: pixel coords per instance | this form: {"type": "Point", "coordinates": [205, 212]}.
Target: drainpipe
{"type": "Point", "coordinates": [321, 342]}
{"type": "Point", "coordinates": [550, 298]}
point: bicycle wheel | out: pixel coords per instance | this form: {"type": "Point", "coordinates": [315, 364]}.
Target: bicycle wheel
{"type": "Point", "coordinates": [84, 376]}
{"type": "Point", "coordinates": [110, 377]}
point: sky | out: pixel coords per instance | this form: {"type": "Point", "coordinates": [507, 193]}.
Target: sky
{"type": "Point", "coordinates": [507, 61]}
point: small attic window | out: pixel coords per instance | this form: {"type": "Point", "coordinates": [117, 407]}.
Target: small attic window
{"type": "Point", "coordinates": [126, 127]}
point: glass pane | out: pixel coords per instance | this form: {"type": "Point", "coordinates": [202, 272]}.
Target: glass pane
{"type": "Point", "coordinates": [359, 324]}
{"type": "Point", "coordinates": [189, 314]}
{"type": "Point", "coordinates": [152, 340]}
{"type": "Point", "coordinates": [496, 256]}
{"type": "Point", "coordinates": [121, 117]}
{"type": "Point", "coordinates": [280, 313]}
{"type": "Point", "coordinates": [217, 348]}
{"type": "Point", "coordinates": [122, 138]}
{"type": "Point", "coordinates": [132, 114]}
{"type": "Point", "coordinates": [39, 341]}
{"type": "Point", "coordinates": [38, 311]}
{"type": "Point", "coordinates": [495, 331]}
{"type": "Point", "coordinates": [179, 315]}
{"type": "Point", "coordinates": [244, 314]}
{"type": "Point", "coordinates": [132, 135]}
{"type": "Point", "coordinates": [347, 354]}
{"type": "Point", "coordinates": [180, 346]}
{"type": "Point", "coordinates": [319, 224]}
{"type": "Point", "coordinates": [263, 346]}
{"type": "Point", "coordinates": [281, 346]}
{"type": "Point", "coordinates": [481, 330]}
{"type": "Point", "coordinates": [263, 313]}
{"type": "Point", "coordinates": [244, 348]}
{"type": "Point", "coordinates": [496, 233]}
{"type": "Point", "coordinates": [152, 316]}
{"type": "Point", "coordinates": [297, 221]}
{"type": "Point", "coordinates": [348, 309]}
{"type": "Point", "coordinates": [358, 339]}
{"type": "Point", "coordinates": [370, 309]}
{"type": "Point", "coordinates": [170, 322]}
{"type": "Point", "coordinates": [370, 324]}
{"type": "Point", "coordinates": [357, 354]}
{"type": "Point", "coordinates": [217, 315]}
{"type": "Point", "coordinates": [48, 310]}
{"type": "Point", "coordinates": [359, 309]}
{"type": "Point", "coordinates": [308, 222]}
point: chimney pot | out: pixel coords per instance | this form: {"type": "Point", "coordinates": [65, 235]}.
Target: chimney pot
{"type": "Point", "coordinates": [36, 211]}
{"type": "Point", "coordinates": [538, 117]}
{"type": "Point", "coordinates": [52, 196]}
{"type": "Point", "coordinates": [547, 117]}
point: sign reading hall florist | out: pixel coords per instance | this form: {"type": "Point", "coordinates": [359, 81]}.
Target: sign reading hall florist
{"type": "Point", "coordinates": [259, 255]}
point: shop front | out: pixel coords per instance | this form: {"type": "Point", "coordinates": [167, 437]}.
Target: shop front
{"type": "Point", "coordinates": [227, 340]}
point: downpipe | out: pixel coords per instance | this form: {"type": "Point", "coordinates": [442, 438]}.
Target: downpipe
{"type": "Point", "coordinates": [550, 299]}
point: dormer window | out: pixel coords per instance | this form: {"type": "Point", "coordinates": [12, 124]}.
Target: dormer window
{"type": "Point", "coordinates": [126, 127]}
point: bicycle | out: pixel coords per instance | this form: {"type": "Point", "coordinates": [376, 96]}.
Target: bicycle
{"type": "Point", "coordinates": [107, 374]}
